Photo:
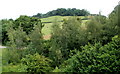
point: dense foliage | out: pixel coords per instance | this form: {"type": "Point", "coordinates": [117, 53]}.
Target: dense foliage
{"type": "Point", "coordinates": [66, 38]}
{"type": "Point", "coordinates": [4, 24]}
{"type": "Point", "coordinates": [37, 63]}
{"type": "Point", "coordinates": [30, 63]}
{"type": "Point", "coordinates": [95, 58]}
{"type": "Point", "coordinates": [64, 12]}
{"type": "Point", "coordinates": [74, 46]}
{"type": "Point", "coordinates": [25, 22]}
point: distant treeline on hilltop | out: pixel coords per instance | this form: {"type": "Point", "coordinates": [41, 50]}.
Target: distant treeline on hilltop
{"type": "Point", "coordinates": [64, 12]}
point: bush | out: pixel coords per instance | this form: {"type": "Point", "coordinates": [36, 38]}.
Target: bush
{"type": "Point", "coordinates": [95, 58]}
{"type": "Point", "coordinates": [37, 63]}
{"type": "Point", "coordinates": [10, 56]}
{"type": "Point", "coordinates": [14, 68]}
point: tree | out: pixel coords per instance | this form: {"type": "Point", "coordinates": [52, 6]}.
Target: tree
{"type": "Point", "coordinates": [95, 58]}
{"type": "Point", "coordinates": [114, 20]}
{"type": "Point", "coordinates": [55, 50]}
{"type": "Point", "coordinates": [39, 15]}
{"type": "Point", "coordinates": [26, 22]}
{"type": "Point", "coordinates": [25, 30]}
{"type": "Point", "coordinates": [64, 12]}
{"type": "Point", "coordinates": [17, 37]}
{"type": "Point", "coordinates": [4, 25]}
{"type": "Point", "coordinates": [67, 37]}
{"type": "Point", "coordinates": [36, 37]}
{"type": "Point", "coordinates": [111, 27]}
{"type": "Point", "coordinates": [95, 28]}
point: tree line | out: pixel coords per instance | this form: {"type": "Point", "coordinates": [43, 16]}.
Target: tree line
{"type": "Point", "coordinates": [64, 12]}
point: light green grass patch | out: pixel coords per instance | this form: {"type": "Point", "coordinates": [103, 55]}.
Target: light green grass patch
{"type": "Point", "coordinates": [48, 22]}
{"type": "Point", "coordinates": [58, 18]}
{"type": "Point", "coordinates": [52, 19]}
{"type": "Point", "coordinates": [47, 29]}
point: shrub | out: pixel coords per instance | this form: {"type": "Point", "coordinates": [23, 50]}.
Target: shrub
{"type": "Point", "coordinates": [10, 56]}
{"type": "Point", "coordinates": [37, 63]}
{"type": "Point", "coordinates": [95, 58]}
{"type": "Point", "coordinates": [14, 68]}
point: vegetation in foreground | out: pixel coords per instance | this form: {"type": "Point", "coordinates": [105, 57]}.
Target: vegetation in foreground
{"type": "Point", "coordinates": [71, 48]}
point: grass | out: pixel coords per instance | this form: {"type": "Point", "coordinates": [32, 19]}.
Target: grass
{"type": "Point", "coordinates": [58, 18]}
{"type": "Point", "coordinates": [48, 22]}
{"type": "Point", "coordinates": [51, 19]}
{"type": "Point", "coordinates": [47, 28]}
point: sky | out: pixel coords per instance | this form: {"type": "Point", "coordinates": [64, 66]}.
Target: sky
{"type": "Point", "coordinates": [14, 8]}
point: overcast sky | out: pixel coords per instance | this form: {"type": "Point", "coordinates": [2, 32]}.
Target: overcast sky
{"type": "Point", "coordinates": [14, 8]}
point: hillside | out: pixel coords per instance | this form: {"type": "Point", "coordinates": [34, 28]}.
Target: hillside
{"type": "Point", "coordinates": [48, 22]}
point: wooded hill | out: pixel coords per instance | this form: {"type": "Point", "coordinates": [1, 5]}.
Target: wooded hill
{"type": "Point", "coordinates": [64, 12]}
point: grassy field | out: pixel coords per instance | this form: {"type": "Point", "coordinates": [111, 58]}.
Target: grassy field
{"type": "Point", "coordinates": [47, 28]}
{"type": "Point", "coordinates": [58, 18]}
{"type": "Point", "coordinates": [48, 22]}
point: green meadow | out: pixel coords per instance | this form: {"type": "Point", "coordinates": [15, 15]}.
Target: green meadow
{"type": "Point", "coordinates": [48, 22]}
